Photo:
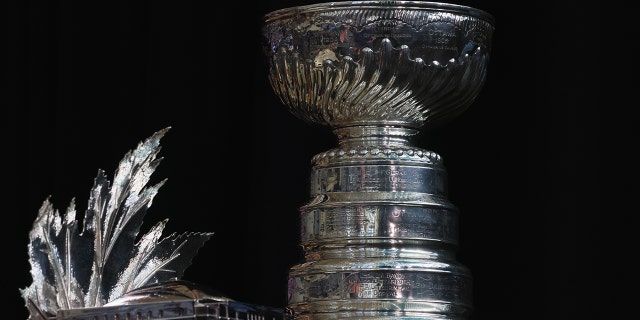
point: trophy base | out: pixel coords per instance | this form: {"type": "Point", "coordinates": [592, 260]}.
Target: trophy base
{"type": "Point", "coordinates": [380, 238]}
{"type": "Point", "coordinates": [424, 310]}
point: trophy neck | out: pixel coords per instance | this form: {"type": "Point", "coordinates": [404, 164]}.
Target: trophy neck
{"type": "Point", "coordinates": [372, 135]}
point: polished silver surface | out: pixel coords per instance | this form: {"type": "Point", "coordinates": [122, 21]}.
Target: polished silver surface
{"type": "Point", "coordinates": [387, 63]}
{"type": "Point", "coordinates": [75, 267]}
{"type": "Point", "coordinates": [173, 300]}
{"type": "Point", "coordinates": [378, 232]}
{"type": "Point", "coordinates": [104, 271]}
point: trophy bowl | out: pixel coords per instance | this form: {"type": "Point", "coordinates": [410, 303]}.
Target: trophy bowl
{"type": "Point", "coordinates": [378, 232]}
{"type": "Point", "coordinates": [405, 64]}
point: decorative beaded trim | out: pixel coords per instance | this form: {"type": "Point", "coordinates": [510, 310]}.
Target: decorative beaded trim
{"type": "Point", "coordinates": [376, 152]}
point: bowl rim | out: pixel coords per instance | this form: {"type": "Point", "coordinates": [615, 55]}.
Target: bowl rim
{"type": "Point", "coordinates": [285, 13]}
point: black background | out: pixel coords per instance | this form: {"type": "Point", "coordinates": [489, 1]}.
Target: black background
{"type": "Point", "coordinates": [539, 165]}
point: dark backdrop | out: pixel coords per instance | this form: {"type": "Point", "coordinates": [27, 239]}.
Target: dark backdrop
{"type": "Point", "coordinates": [533, 164]}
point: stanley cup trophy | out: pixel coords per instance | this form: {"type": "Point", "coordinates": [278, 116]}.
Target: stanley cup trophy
{"type": "Point", "coordinates": [379, 234]}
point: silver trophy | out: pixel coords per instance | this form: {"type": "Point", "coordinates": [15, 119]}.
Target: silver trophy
{"type": "Point", "coordinates": [102, 269]}
{"type": "Point", "coordinates": [378, 233]}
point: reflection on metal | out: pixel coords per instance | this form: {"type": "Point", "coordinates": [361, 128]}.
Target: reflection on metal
{"type": "Point", "coordinates": [174, 300]}
{"type": "Point", "coordinates": [106, 272]}
{"type": "Point", "coordinates": [379, 233]}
